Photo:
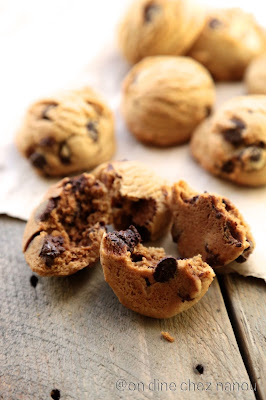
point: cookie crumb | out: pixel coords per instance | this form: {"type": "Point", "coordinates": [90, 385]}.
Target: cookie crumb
{"type": "Point", "coordinates": [200, 369]}
{"type": "Point", "coordinates": [168, 337]}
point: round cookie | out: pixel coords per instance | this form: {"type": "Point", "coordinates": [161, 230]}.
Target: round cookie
{"type": "Point", "coordinates": [72, 131]}
{"type": "Point", "coordinates": [64, 232]}
{"type": "Point", "coordinates": [165, 98]}
{"type": "Point", "coordinates": [232, 143]}
{"type": "Point", "coordinates": [138, 196]}
{"type": "Point", "coordinates": [147, 281]}
{"type": "Point", "coordinates": [255, 77]}
{"type": "Point", "coordinates": [209, 225]}
{"type": "Point", "coordinates": [159, 27]}
{"type": "Point", "coordinates": [229, 41]}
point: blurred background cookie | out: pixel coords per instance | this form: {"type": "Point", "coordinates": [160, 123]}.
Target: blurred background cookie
{"type": "Point", "coordinates": [230, 40]}
{"type": "Point", "coordinates": [165, 98]}
{"type": "Point", "coordinates": [159, 27]}
{"type": "Point", "coordinates": [255, 77]}
{"type": "Point", "coordinates": [232, 143]}
{"type": "Point", "coordinates": [148, 281]}
{"type": "Point", "coordinates": [69, 132]}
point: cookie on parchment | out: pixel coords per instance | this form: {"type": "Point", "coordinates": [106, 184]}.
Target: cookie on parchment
{"type": "Point", "coordinates": [210, 225]}
{"type": "Point", "coordinates": [66, 133]}
{"type": "Point", "coordinates": [232, 143]}
{"type": "Point", "coordinates": [159, 27]}
{"type": "Point", "coordinates": [165, 98]}
{"type": "Point", "coordinates": [229, 41]}
{"type": "Point", "coordinates": [138, 196]}
{"type": "Point", "coordinates": [148, 281]}
{"type": "Point", "coordinates": [64, 232]}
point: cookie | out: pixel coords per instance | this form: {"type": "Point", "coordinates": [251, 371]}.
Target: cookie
{"type": "Point", "coordinates": [159, 27]}
{"type": "Point", "coordinates": [138, 196]}
{"type": "Point", "coordinates": [229, 41]}
{"type": "Point", "coordinates": [165, 98]}
{"type": "Point", "coordinates": [148, 281]}
{"type": "Point", "coordinates": [209, 225]}
{"type": "Point", "coordinates": [64, 232]}
{"type": "Point", "coordinates": [72, 131]}
{"type": "Point", "coordinates": [255, 77]}
{"type": "Point", "coordinates": [232, 143]}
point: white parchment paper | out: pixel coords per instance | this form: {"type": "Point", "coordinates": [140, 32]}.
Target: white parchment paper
{"type": "Point", "coordinates": [21, 188]}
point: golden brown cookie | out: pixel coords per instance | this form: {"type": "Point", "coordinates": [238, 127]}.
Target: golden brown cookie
{"type": "Point", "coordinates": [209, 225]}
{"type": "Point", "coordinates": [165, 98]}
{"type": "Point", "coordinates": [64, 232]}
{"type": "Point", "coordinates": [147, 281]}
{"type": "Point", "coordinates": [232, 143]}
{"type": "Point", "coordinates": [229, 41]}
{"type": "Point", "coordinates": [69, 132]}
{"type": "Point", "coordinates": [159, 27]}
{"type": "Point", "coordinates": [138, 196]}
{"type": "Point", "coordinates": [255, 77]}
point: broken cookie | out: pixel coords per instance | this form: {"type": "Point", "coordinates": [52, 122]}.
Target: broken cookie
{"type": "Point", "coordinates": [148, 281]}
{"type": "Point", "coordinates": [209, 225]}
{"type": "Point", "coordinates": [64, 232]}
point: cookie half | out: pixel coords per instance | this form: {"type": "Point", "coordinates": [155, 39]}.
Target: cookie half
{"type": "Point", "coordinates": [209, 225]}
{"type": "Point", "coordinates": [64, 232]}
{"type": "Point", "coordinates": [138, 196]}
{"type": "Point", "coordinates": [148, 281]}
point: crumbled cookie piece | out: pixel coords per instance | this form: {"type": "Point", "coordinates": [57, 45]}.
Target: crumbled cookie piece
{"type": "Point", "coordinates": [168, 337]}
{"type": "Point", "coordinates": [138, 197]}
{"type": "Point", "coordinates": [64, 232]}
{"type": "Point", "coordinates": [232, 143]}
{"type": "Point", "coordinates": [69, 132]}
{"type": "Point", "coordinates": [150, 28]}
{"type": "Point", "coordinates": [209, 225]}
{"type": "Point", "coordinates": [148, 281]}
{"type": "Point", "coordinates": [229, 41]}
{"type": "Point", "coordinates": [165, 98]}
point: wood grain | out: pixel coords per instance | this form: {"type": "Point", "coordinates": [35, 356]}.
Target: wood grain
{"type": "Point", "coordinates": [72, 334]}
{"type": "Point", "coordinates": [246, 299]}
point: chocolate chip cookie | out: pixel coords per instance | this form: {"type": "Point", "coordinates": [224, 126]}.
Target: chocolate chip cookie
{"type": "Point", "coordinates": [229, 41]}
{"type": "Point", "coordinates": [148, 281]}
{"type": "Point", "coordinates": [159, 27]}
{"type": "Point", "coordinates": [64, 232]}
{"type": "Point", "coordinates": [165, 98]}
{"type": "Point", "coordinates": [255, 77]}
{"type": "Point", "coordinates": [69, 132]}
{"type": "Point", "coordinates": [232, 143]}
{"type": "Point", "coordinates": [138, 196]}
{"type": "Point", "coordinates": [209, 225]}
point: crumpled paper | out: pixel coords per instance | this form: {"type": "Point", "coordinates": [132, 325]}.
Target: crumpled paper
{"type": "Point", "coordinates": [22, 189]}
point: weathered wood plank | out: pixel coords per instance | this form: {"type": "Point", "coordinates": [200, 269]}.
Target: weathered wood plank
{"type": "Point", "coordinates": [73, 335]}
{"type": "Point", "coordinates": [245, 300]}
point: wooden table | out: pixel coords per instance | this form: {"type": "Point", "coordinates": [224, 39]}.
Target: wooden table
{"type": "Point", "coordinates": [71, 335]}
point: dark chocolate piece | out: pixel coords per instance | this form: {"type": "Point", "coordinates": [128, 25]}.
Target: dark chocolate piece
{"type": "Point", "coordinates": [52, 248]}
{"type": "Point", "coordinates": [129, 239]}
{"type": "Point", "coordinates": [215, 23]}
{"type": "Point", "coordinates": [38, 160]}
{"type": "Point", "coordinates": [228, 167]}
{"type": "Point", "coordinates": [150, 10]}
{"type": "Point", "coordinates": [234, 135]}
{"type": "Point", "coordinates": [92, 130]}
{"type": "Point", "coordinates": [200, 369]}
{"type": "Point", "coordinates": [165, 269]}
{"type": "Point", "coordinates": [34, 281]}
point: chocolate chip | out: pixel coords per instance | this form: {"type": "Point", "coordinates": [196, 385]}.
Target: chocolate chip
{"type": "Point", "coordinates": [228, 206]}
{"type": "Point", "coordinates": [241, 259]}
{"type": "Point", "coordinates": [246, 253]}
{"type": "Point", "coordinates": [150, 10]}
{"type": "Point", "coordinates": [192, 200]}
{"type": "Point", "coordinates": [93, 132]}
{"type": "Point", "coordinates": [55, 394]}
{"type": "Point", "coordinates": [200, 369]}
{"type": "Point", "coordinates": [38, 160]}
{"type": "Point", "coordinates": [215, 23]}
{"type": "Point", "coordinates": [147, 282]}
{"type": "Point", "coordinates": [255, 154]}
{"type": "Point", "coordinates": [47, 142]}
{"type": "Point", "coordinates": [34, 281]}
{"type": "Point", "coordinates": [208, 111]}
{"type": "Point", "coordinates": [52, 248]}
{"type": "Point", "coordinates": [136, 257]}
{"type": "Point", "coordinates": [46, 111]}
{"type": "Point", "coordinates": [79, 183]}
{"type": "Point", "coordinates": [238, 244]}
{"type": "Point", "coordinates": [261, 144]}
{"type": "Point", "coordinates": [52, 203]}
{"type": "Point", "coordinates": [231, 226]}
{"type": "Point", "coordinates": [64, 153]}
{"type": "Point", "coordinates": [234, 135]}
{"type": "Point", "coordinates": [165, 269]}
{"type": "Point", "coordinates": [228, 167]}
{"type": "Point", "coordinates": [129, 239]}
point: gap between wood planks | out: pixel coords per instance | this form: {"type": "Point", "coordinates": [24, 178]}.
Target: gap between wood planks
{"type": "Point", "coordinates": [239, 335]}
